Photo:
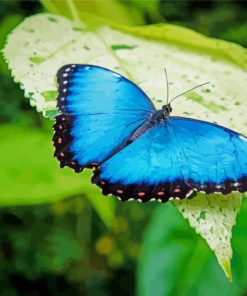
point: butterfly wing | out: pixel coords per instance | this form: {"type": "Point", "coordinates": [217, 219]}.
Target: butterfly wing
{"type": "Point", "coordinates": [174, 158]}
{"type": "Point", "coordinates": [100, 110]}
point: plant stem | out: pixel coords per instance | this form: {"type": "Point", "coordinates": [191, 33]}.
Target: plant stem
{"type": "Point", "coordinates": [49, 6]}
{"type": "Point", "coordinates": [73, 10]}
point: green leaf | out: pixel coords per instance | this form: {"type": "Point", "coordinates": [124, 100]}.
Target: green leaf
{"type": "Point", "coordinates": [59, 251]}
{"type": "Point", "coordinates": [122, 12]}
{"type": "Point", "coordinates": [175, 261]}
{"type": "Point", "coordinates": [111, 9]}
{"type": "Point", "coordinates": [7, 24]}
{"type": "Point", "coordinates": [31, 175]}
{"type": "Point", "coordinates": [189, 39]}
{"type": "Point", "coordinates": [141, 55]}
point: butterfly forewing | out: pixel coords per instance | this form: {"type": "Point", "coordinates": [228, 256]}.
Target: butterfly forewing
{"type": "Point", "coordinates": [100, 110]}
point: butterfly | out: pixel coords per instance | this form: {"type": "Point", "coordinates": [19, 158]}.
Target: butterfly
{"type": "Point", "coordinates": [108, 123]}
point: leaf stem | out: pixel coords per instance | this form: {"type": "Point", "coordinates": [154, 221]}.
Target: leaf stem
{"type": "Point", "coordinates": [49, 6]}
{"type": "Point", "coordinates": [73, 10]}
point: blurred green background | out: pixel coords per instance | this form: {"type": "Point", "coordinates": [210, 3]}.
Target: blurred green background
{"type": "Point", "coordinates": [82, 243]}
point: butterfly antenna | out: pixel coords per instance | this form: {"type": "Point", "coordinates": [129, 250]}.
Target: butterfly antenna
{"type": "Point", "coordinates": [188, 91]}
{"type": "Point", "coordinates": [167, 87]}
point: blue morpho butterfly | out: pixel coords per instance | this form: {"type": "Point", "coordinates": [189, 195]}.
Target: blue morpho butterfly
{"type": "Point", "coordinates": [108, 123]}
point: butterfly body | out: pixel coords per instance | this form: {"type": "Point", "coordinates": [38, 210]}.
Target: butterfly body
{"type": "Point", "coordinates": [138, 152]}
{"type": "Point", "coordinates": [154, 119]}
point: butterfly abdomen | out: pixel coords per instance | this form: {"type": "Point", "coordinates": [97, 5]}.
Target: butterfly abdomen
{"type": "Point", "coordinates": [141, 130]}
{"type": "Point", "coordinates": [153, 119]}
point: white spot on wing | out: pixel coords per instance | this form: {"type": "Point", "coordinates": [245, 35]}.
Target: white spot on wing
{"type": "Point", "coordinates": [243, 138]}
{"type": "Point", "coordinates": [189, 193]}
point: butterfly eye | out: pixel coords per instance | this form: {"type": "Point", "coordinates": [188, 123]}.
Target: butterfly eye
{"type": "Point", "coordinates": [168, 108]}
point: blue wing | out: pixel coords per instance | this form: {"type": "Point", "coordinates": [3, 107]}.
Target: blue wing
{"type": "Point", "coordinates": [173, 159]}
{"type": "Point", "coordinates": [100, 110]}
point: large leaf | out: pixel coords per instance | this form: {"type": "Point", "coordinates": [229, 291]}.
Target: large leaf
{"type": "Point", "coordinates": [213, 218]}
{"type": "Point", "coordinates": [43, 43]}
{"type": "Point", "coordinates": [30, 175]}
{"type": "Point", "coordinates": [174, 262]}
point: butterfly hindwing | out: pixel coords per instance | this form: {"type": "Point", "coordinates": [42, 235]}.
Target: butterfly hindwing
{"type": "Point", "coordinates": [174, 158]}
{"type": "Point", "coordinates": [100, 109]}
{"type": "Point", "coordinates": [216, 156]}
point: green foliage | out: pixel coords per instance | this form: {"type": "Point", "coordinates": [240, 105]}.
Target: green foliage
{"type": "Point", "coordinates": [177, 48]}
{"type": "Point", "coordinates": [61, 249]}
{"type": "Point", "coordinates": [220, 19]}
{"type": "Point", "coordinates": [31, 174]}
{"type": "Point", "coordinates": [12, 102]}
{"type": "Point", "coordinates": [111, 9]}
{"type": "Point", "coordinates": [128, 12]}
{"type": "Point", "coordinates": [43, 239]}
{"type": "Point", "coordinates": [174, 261]}
{"type": "Point", "coordinates": [7, 24]}
{"type": "Point", "coordinates": [65, 249]}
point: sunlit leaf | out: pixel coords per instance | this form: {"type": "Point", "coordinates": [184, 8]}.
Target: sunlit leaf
{"type": "Point", "coordinates": [141, 54]}
{"type": "Point", "coordinates": [122, 12]}
{"type": "Point", "coordinates": [111, 9]}
{"type": "Point", "coordinates": [31, 175]}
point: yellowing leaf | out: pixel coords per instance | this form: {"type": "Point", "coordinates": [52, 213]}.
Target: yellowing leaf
{"type": "Point", "coordinates": [38, 47]}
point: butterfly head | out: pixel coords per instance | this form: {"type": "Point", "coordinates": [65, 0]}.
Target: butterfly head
{"type": "Point", "coordinates": [161, 114]}
{"type": "Point", "coordinates": [167, 109]}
